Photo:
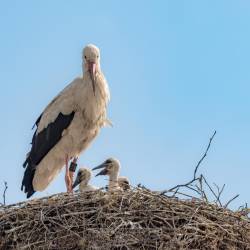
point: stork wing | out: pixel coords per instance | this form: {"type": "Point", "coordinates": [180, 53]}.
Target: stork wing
{"type": "Point", "coordinates": [50, 125]}
{"type": "Point", "coordinates": [62, 103]}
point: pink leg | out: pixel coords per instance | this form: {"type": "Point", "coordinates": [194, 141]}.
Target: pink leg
{"type": "Point", "coordinates": [71, 174]}
{"type": "Point", "coordinates": [68, 180]}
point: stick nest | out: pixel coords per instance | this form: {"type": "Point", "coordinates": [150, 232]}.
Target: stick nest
{"type": "Point", "coordinates": [135, 219]}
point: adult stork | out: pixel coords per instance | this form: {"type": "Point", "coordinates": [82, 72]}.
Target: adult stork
{"type": "Point", "coordinates": [67, 126]}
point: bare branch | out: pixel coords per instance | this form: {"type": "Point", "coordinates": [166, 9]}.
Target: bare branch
{"type": "Point", "coordinates": [212, 191]}
{"type": "Point", "coordinates": [219, 191]}
{"type": "Point", "coordinates": [4, 192]}
{"type": "Point", "coordinates": [195, 170]}
{"type": "Point", "coordinates": [179, 186]}
{"type": "Point", "coordinates": [204, 155]}
{"type": "Point", "coordinates": [226, 205]}
{"type": "Point", "coordinates": [200, 188]}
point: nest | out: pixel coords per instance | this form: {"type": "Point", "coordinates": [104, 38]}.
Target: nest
{"type": "Point", "coordinates": [135, 219]}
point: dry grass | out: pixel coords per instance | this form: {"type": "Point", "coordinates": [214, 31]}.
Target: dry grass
{"type": "Point", "coordinates": [136, 219]}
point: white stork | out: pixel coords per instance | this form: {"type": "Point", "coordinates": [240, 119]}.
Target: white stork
{"type": "Point", "coordinates": [111, 167]}
{"type": "Point", "coordinates": [123, 183]}
{"type": "Point", "coordinates": [67, 125]}
{"type": "Point", "coordinates": [82, 179]}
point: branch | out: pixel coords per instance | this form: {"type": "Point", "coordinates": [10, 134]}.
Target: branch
{"type": "Point", "coordinates": [204, 155]}
{"type": "Point", "coordinates": [226, 205]}
{"type": "Point", "coordinates": [4, 192]}
{"type": "Point", "coordinates": [219, 191]}
{"type": "Point", "coordinates": [201, 189]}
{"type": "Point", "coordinates": [195, 170]}
{"type": "Point", "coordinates": [180, 185]}
{"type": "Point", "coordinates": [217, 197]}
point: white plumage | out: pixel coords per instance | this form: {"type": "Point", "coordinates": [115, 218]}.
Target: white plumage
{"type": "Point", "coordinates": [83, 177]}
{"type": "Point", "coordinates": [111, 167]}
{"type": "Point", "coordinates": [123, 183]}
{"type": "Point", "coordinates": [86, 98]}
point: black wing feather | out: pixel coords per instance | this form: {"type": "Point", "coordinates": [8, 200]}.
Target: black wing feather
{"type": "Point", "coordinates": [42, 143]}
{"type": "Point", "coordinates": [37, 121]}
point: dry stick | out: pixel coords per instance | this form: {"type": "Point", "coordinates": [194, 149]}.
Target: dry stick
{"type": "Point", "coordinates": [226, 205]}
{"type": "Point", "coordinates": [195, 170]}
{"type": "Point", "coordinates": [222, 190]}
{"type": "Point", "coordinates": [217, 187]}
{"type": "Point", "coordinates": [219, 191]}
{"type": "Point", "coordinates": [219, 194]}
{"type": "Point", "coordinates": [195, 190]}
{"type": "Point", "coordinates": [180, 185]}
{"type": "Point", "coordinates": [205, 154]}
{"type": "Point", "coordinates": [212, 191]}
{"type": "Point", "coordinates": [4, 192]}
{"type": "Point", "coordinates": [204, 196]}
{"type": "Point", "coordinates": [201, 190]}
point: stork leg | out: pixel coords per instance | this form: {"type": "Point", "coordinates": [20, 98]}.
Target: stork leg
{"type": "Point", "coordinates": [72, 171]}
{"type": "Point", "coordinates": [68, 180]}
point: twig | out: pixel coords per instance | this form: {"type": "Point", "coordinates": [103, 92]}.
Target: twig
{"type": "Point", "coordinates": [219, 191]}
{"type": "Point", "coordinates": [204, 155]}
{"type": "Point", "coordinates": [195, 170]}
{"type": "Point", "coordinates": [4, 192]}
{"type": "Point", "coordinates": [201, 190]}
{"type": "Point", "coordinates": [212, 191]}
{"type": "Point", "coordinates": [179, 186]}
{"type": "Point", "coordinates": [226, 205]}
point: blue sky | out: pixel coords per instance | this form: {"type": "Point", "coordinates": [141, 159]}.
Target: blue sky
{"type": "Point", "coordinates": [177, 70]}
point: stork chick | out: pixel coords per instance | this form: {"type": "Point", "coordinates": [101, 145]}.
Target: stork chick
{"type": "Point", "coordinates": [124, 183]}
{"type": "Point", "coordinates": [111, 167]}
{"type": "Point", "coordinates": [83, 177]}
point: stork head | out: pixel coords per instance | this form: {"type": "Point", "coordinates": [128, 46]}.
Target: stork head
{"type": "Point", "coordinates": [124, 183]}
{"type": "Point", "coordinates": [83, 176]}
{"type": "Point", "coordinates": [91, 62]}
{"type": "Point", "coordinates": [110, 167]}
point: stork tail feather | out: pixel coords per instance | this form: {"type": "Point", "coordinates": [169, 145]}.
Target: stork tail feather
{"type": "Point", "coordinates": [42, 143]}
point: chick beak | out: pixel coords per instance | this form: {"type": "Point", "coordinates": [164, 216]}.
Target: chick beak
{"type": "Point", "coordinates": [92, 71]}
{"type": "Point", "coordinates": [102, 172]}
{"type": "Point", "coordinates": [77, 181]}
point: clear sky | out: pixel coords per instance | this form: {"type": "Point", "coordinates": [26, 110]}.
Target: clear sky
{"type": "Point", "coordinates": [177, 70]}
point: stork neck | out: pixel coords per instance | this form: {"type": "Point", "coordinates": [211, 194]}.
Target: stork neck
{"type": "Point", "coordinates": [113, 181]}
{"type": "Point", "coordinates": [84, 183]}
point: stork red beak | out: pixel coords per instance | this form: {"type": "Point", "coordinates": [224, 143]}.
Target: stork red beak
{"type": "Point", "coordinates": [92, 70]}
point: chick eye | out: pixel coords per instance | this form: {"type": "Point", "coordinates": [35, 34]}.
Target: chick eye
{"type": "Point", "coordinates": [85, 57]}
